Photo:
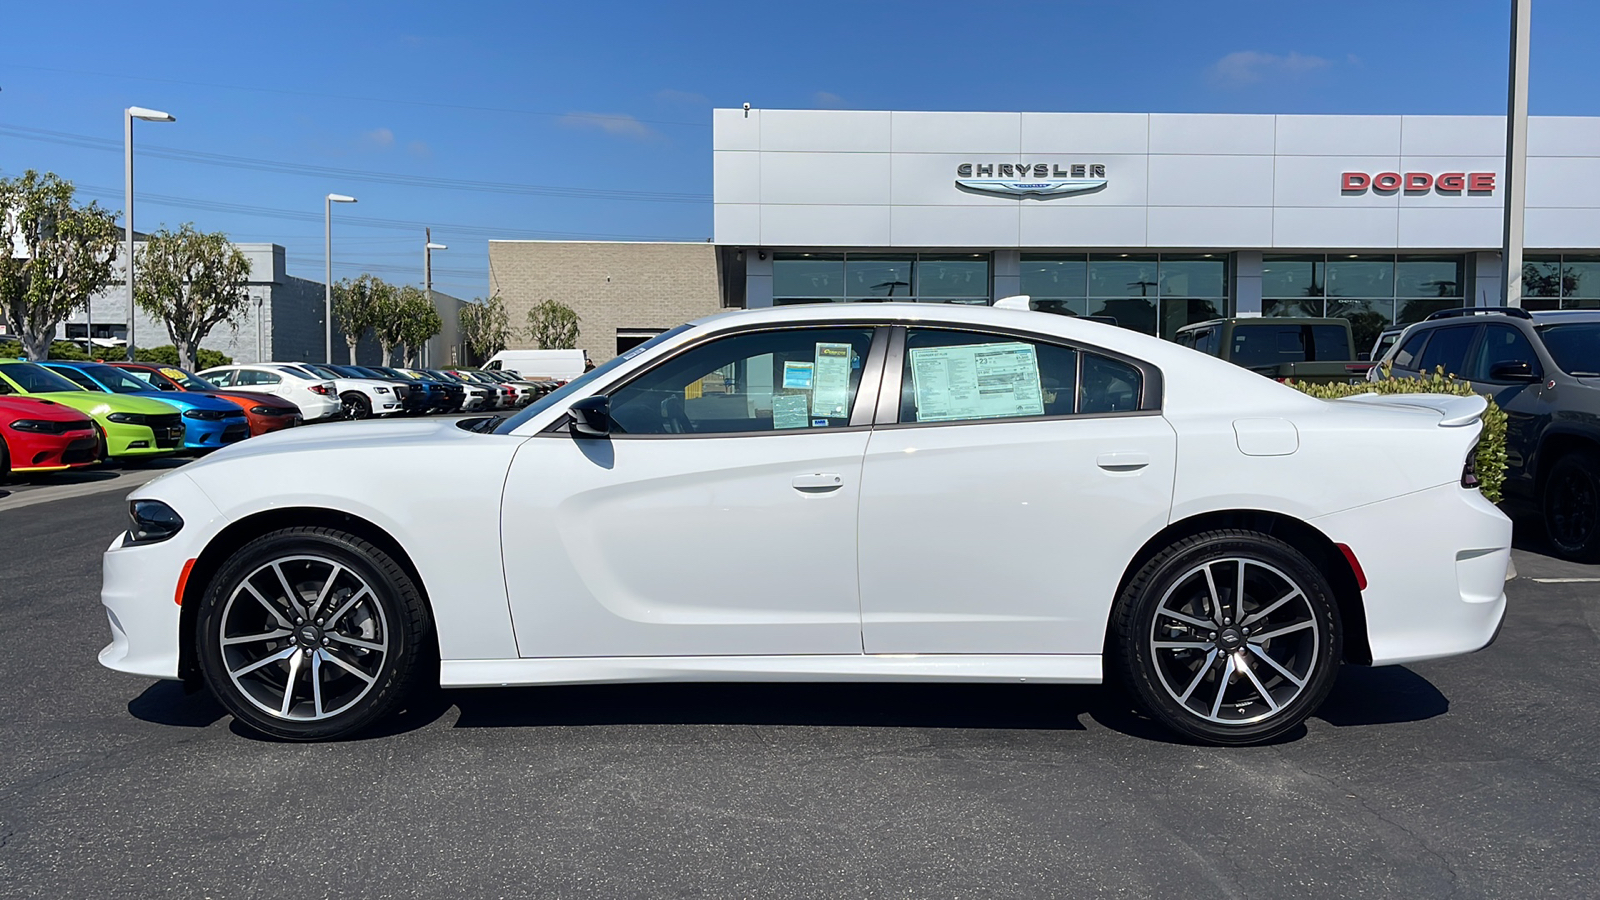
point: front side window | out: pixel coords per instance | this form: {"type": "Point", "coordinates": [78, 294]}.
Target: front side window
{"type": "Point", "coordinates": [225, 378]}
{"type": "Point", "coordinates": [1448, 349]}
{"type": "Point", "coordinates": [765, 381]}
{"type": "Point", "coordinates": [1502, 344]}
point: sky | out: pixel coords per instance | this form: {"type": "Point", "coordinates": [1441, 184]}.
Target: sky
{"type": "Point", "coordinates": [592, 120]}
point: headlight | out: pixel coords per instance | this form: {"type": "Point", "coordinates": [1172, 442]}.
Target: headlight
{"type": "Point", "coordinates": [266, 410]}
{"type": "Point", "coordinates": [42, 426]}
{"type": "Point", "coordinates": [123, 418]}
{"type": "Point", "coordinates": [205, 415]}
{"type": "Point", "coordinates": [380, 390]}
{"type": "Point", "coordinates": [151, 521]}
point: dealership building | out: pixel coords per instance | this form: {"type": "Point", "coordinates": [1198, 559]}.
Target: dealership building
{"type": "Point", "coordinates": [1156, 220]}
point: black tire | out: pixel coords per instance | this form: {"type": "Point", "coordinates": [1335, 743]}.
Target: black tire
{"type": "Point", "coordinates": [5, 461]}
{"type": "Point", "coordinates": [356, 406]}
{"type": "Point", "coordinates": [1570, 504]}
{"type": "Point", "coordinates": [1169, 597]}
{"type": "Point", "coordinates": [102, 454]}
{"type": "Point", "coordinates": [340, 704]}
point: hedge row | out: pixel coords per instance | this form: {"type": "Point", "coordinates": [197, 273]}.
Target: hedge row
{"type": "Point", "coordinates": [166, 354]}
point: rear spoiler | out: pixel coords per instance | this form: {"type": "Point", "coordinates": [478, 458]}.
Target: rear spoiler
{"type": "Point", "coordinates": [1454, 411]}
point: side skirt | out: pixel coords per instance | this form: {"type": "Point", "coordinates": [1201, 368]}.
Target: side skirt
{"type": "Point", "coordinates": [1051, 669]}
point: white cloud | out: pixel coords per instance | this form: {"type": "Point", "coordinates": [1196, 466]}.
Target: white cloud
{"type": "Point", "coordinates": [382, 137]}
{"type": "Point", "coordinates": [827, 100]}
{"type": "Point", "coordinates": [618, 125]}
{"type": "Point", "coordinates": [1252, 66]}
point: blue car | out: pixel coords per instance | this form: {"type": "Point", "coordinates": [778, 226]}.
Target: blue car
{"type": "Point", "coordinates": [209, 422]}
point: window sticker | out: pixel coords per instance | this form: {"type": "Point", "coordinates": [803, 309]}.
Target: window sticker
{"type": "Point", "coordinates": [789, 411]}
{"type": "Point", "coordinates": [797, 376]}
{"type": "Point", "coordinates": [174, 374]}
{"type": "Point", "coordinates": [976, 381]}
{"type": "Point", "coordinates": [831, 382]}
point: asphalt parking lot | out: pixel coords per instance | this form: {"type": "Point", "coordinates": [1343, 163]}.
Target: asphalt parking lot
{"type": "Point", "coordinates": [1471, 777]}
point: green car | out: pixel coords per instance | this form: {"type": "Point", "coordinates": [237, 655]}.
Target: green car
{"type": "Point", "coordinates": [129, 426]}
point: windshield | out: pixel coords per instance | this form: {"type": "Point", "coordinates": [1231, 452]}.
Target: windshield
{"type": "Point", "coordinates": [1575, 347]}
{"type": "Point", "coordinates": [116, 380]}
{"type": "Point", "coordinates": [182, 377]}
{"type": "Point", "coordinates": [34, 379]}
{"type": "Point", "coordinates": [577, 385]}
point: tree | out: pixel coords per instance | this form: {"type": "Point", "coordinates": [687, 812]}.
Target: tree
{"type": "Point", "coordinates": [192, 281]}
{"type": "Point", "coordinates": [419, 321]}
{"type": "Point", "coordinates": [388, 324]}
{"type": "Point", "coordinates": [553, 325]}
{"type": "Point", "coordinates": [485, 327]}
{"type": "Point", "coordinates": [356, 305]}
{"type": "Point", "coordinates": [54, 256]}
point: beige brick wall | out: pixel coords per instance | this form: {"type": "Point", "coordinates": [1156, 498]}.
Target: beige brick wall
{"type": "Point", "coordinates": [610, 284]}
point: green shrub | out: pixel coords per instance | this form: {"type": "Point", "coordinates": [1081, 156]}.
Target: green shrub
{"type": "Point", "coordinates": [167, 355]}
{"type": "Point", "coordinates": [1491, 444]}
{"type": "Point", "coordinates": [10, 350]}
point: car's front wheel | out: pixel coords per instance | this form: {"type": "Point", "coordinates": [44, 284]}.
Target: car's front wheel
{"type": "Point", "coordinates": [311, 634]}
{"type": "Point", "coordinates": [1571, 506]}
{"type": "Point", "coordinates": [1227, 637]}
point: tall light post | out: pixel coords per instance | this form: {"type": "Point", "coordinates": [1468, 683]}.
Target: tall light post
{"type": "Point", "coordinates": [327, 255]}
{"type": "Point", "coordinates": [128, 115]}
{"type": "Point", "coordinates": [1516, 154]}
{"type": "Point", "coordinates": [427, 275]}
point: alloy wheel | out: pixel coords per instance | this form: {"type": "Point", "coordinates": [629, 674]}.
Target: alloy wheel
{"type": "Point", "coordinates": [303, 638]}
{"type": "Point", "coordinates": [1235, 641]}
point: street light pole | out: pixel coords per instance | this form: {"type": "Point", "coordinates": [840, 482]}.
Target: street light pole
{"type": "Point", "coordinates": [428, 247]}
{"type": "Point", "coordinates": [1516, 153]}
{"type": "Point", "coordinates": [327, 287]}
{"type": "Point", "coordinates": [128, 115]}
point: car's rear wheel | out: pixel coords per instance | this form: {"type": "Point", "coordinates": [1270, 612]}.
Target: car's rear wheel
{"type": "Point", "coordinates": [1571, 506]}
{"type": "Point", "coordinates": [356, 406]}
{"type": "Point", "coordinates": [312, 634]}
{"type": "Point", "coordinates": [1227, 637]}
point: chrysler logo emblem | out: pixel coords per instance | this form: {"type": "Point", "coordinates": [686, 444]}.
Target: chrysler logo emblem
{"type": "Point", "coordinates": [1030, 180]}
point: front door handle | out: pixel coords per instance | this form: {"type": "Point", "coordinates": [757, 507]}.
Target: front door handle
{"type": "Point", "coordinates": [820, 483]}
{"type": "Point", "coordinates": [1124, 461]}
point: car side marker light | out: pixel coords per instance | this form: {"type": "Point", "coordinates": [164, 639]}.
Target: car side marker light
{"type": "Point", "coordinates": [183, 580]}
{"type": "Point", "coordinates": [1349, 557]}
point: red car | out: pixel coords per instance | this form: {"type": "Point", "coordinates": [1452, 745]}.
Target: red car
{"type": "Point", "coordinates": [265, 412]}
{"type": "Point", "coordinates": [44, 436]}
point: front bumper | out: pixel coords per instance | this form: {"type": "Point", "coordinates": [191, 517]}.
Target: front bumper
{"type": "Point", "coordinates": [209, 434]}
{"type": "Point", "coordinates": [36, 453]}
{"type": "Point", "coordinates": [140, 440]}
{"type": "Point", "coordinates": [1436, 563]}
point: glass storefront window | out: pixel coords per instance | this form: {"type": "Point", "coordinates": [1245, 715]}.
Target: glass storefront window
{"type": "Point", "coordinates": [808, 276]}
{"type": "Point", "coordinates": [1541, 276]}
{"type": "Point", "coordinates": [1124, 275]}
{"type": "Point", "coordinates": [1177, 313]}
{"type": "Point", "coordinates": [1292, 309]}
{"type": "Point", "coordinates": [1204, 275]}
{"type": "Point", "coordinates": [1361, 276]}
{"type": "Point", "coordinates": [1580, 278]}
{"type": "Point", "coordinates": [870, 276]}
{"type": "Point", "coordinates": [1421, 276]}
{"type": "Point", "coordinates": [1055, 277]}
{"type": "Point", "coordinates": [1076, 306]}
{"type": "Point", "coordinates": [1292, 276]}
{"type": "Point", "coordinates": [1417, 310]}
{"type": "Point", "coordinates": [1135, 313]}
{"type": "Point", "coordinates": [953, 276]}
{"type": "Point", "coordinates": [1368, 319]}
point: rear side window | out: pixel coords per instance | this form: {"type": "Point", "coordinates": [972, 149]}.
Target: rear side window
{"type": "Point", "coordinates": [1109, 385]}
{"type": "Point", "coordinates": [1406, 356]}
{"type": "Point", "coordinates": [963, 376]}
{"type": "Point", "coordinates": [1330, 342]}
{"type": "Point", "coordinates": [1448, 349]}
{"type": "Point", "coordinates": [1267, 345]}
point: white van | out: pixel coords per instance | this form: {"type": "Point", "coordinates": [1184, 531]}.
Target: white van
{"type": "Point", "coordinates": [560, 365]}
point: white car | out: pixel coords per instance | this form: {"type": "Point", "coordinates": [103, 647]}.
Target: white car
{"type": "Point", "coordinates": [363, 398]}
{"type": "Point", "coordinates": [317, 398]}
{"type": "Point", "coordinates": [831, 493]}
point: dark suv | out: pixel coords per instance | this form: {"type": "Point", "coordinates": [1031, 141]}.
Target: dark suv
{"type": "Point", "coordinates": [1543, 369]}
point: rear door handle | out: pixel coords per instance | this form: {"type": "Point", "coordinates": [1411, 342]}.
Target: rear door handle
{"type": "Point", "coordinates": [1123, 461]}
{"type": "Point", "coordinates": [820, 483]}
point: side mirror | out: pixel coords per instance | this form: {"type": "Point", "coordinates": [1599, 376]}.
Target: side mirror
{"type": "Point", "coordinates": [1512, 370]}
{"type": "Point", "coordinates": [591, 417]}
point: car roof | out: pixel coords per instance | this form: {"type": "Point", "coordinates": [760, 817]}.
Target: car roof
{"type": "Point", "coordinates": [1552, 316]}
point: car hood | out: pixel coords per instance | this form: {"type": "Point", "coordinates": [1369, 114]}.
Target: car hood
{"type": "Point", "coordinates": [335, 436]}
{"type": "Point", "coordinates": [99, 404]}
{"type": "Point", "coordinates": [36, 407]}
{"type": "Point", "coordinates": [188, 400]}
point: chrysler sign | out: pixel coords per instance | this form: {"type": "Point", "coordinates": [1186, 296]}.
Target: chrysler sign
{"type": "Point", "coordinates": [1030, 179]}
{"type": "Point", "coordinates": [1417, 182]}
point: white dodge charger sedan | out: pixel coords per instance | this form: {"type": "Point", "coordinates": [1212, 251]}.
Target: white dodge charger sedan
{"type": "Point", "coordinates": [831, 493]}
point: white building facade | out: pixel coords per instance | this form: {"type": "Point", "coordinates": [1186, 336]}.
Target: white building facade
{"type": "Point", "coordinates": [1156, 220]}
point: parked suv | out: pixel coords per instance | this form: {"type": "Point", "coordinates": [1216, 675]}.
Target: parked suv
{"type": "Point", "coordinates": [1543, 369]}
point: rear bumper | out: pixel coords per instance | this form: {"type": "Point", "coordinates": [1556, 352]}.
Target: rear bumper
{"type": "Point", "coordinates": [1436, 565]}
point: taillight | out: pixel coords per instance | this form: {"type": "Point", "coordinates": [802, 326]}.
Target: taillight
{"type": "Point", "coordinates": [1469, 469]}
{"type": "Point", "coordinates": [322, 389]}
